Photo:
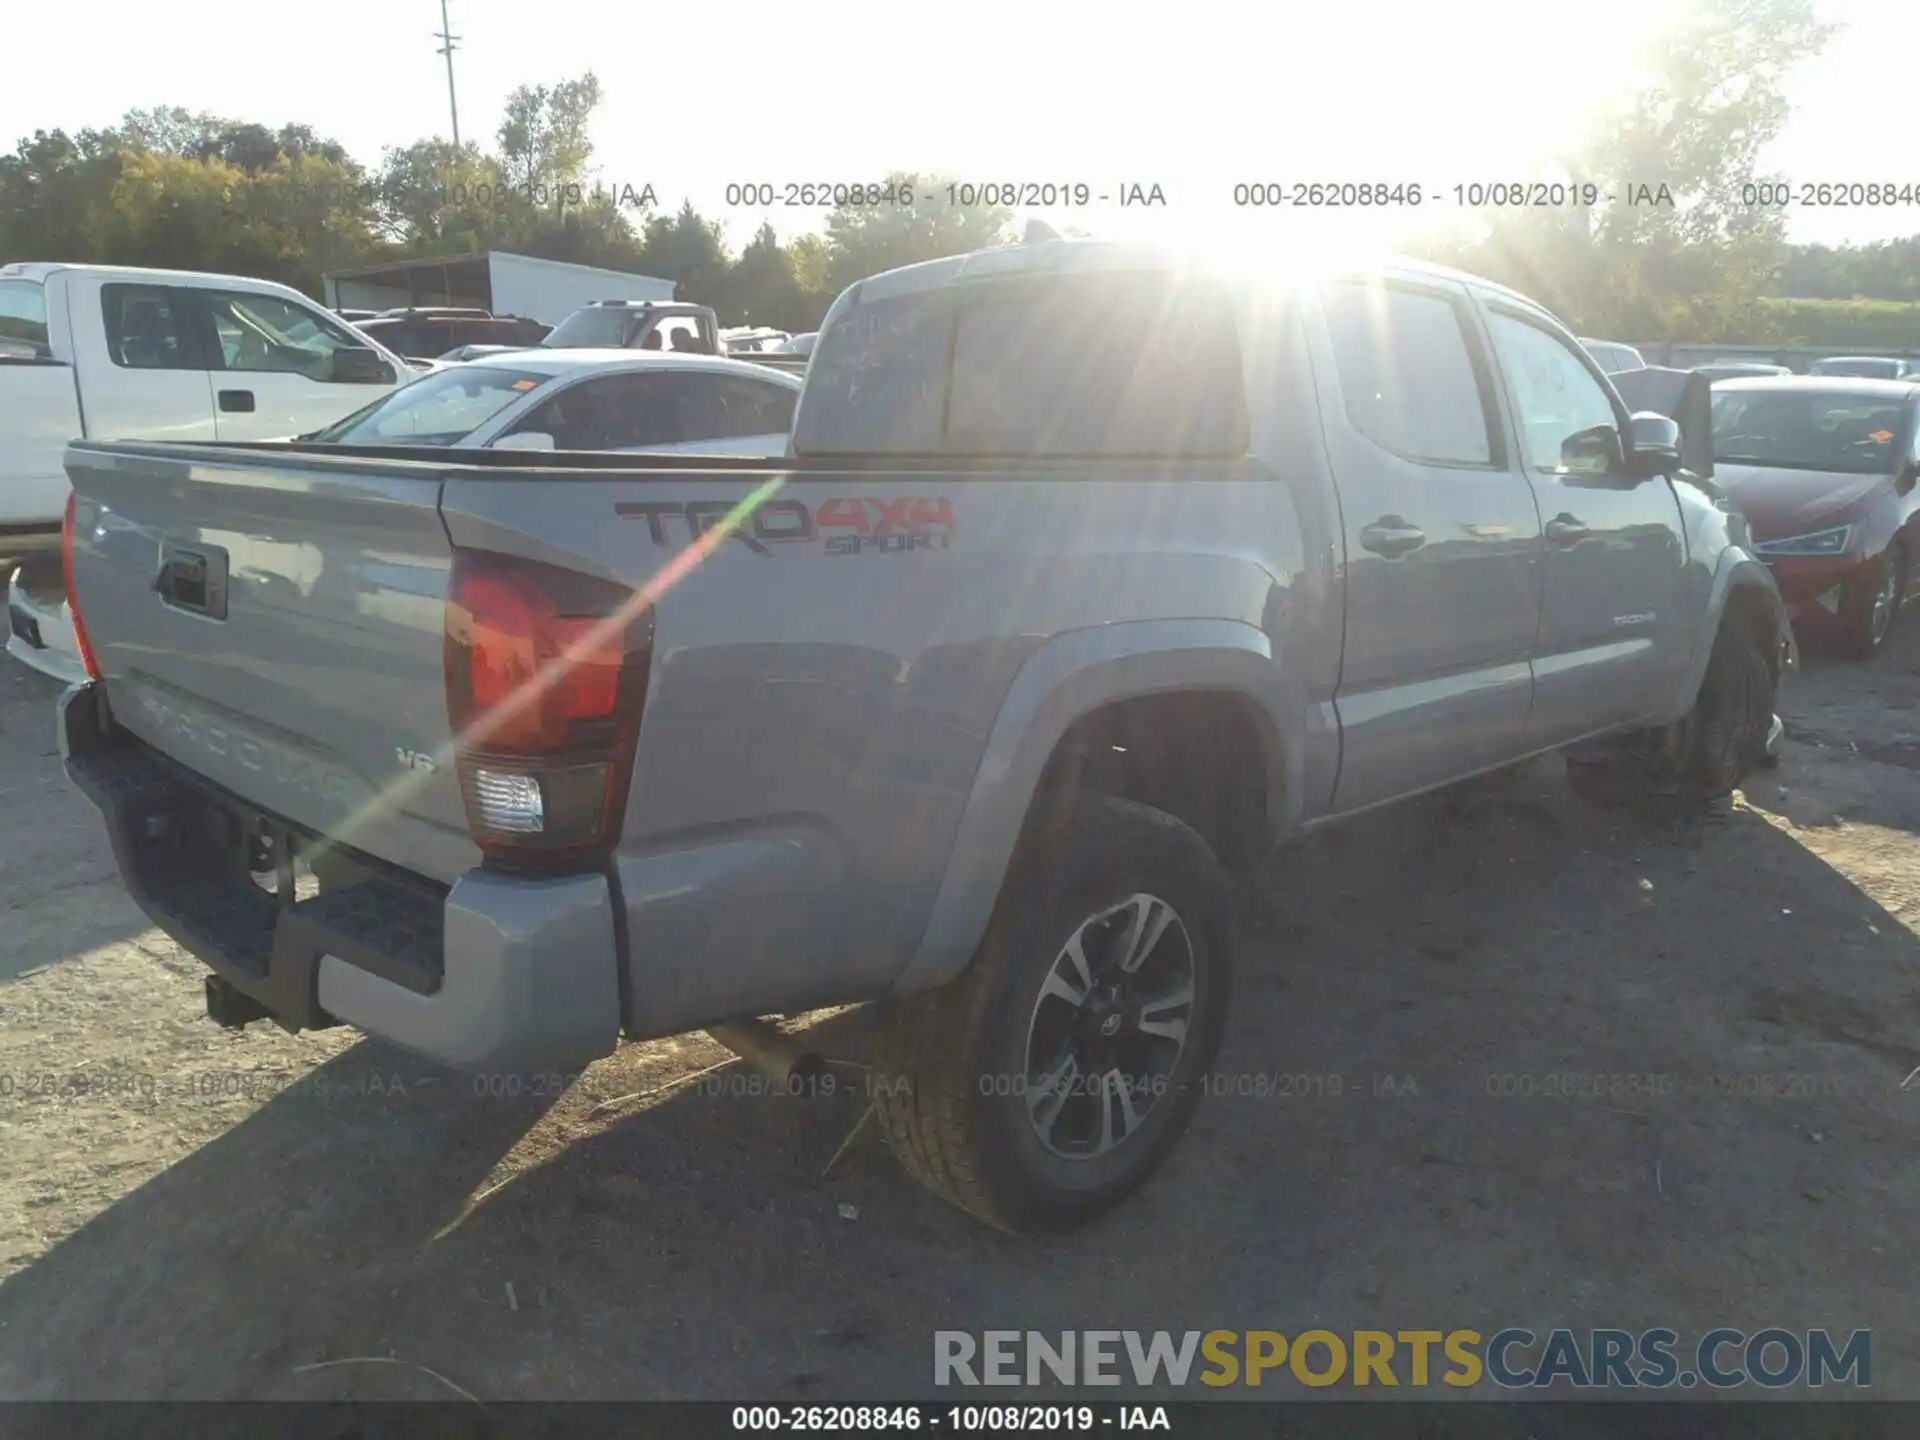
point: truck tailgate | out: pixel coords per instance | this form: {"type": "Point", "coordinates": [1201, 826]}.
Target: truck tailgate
{"type": "Point", "coordinates": [39, 413]}
{"type": "Point", "coordinates": [276, 625]}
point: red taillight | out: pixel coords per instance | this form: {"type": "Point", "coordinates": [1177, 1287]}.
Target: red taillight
{"type": "Point", "coordinates": [546, 673]}
{"type": "Point", "coordinates": [80, 640]}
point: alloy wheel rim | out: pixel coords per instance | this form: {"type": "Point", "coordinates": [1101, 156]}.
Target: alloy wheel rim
{"type": "Point", "coordinates": [1108, 1027]}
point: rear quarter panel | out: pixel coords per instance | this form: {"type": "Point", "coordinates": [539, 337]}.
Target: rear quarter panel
{"type": "Point", "coordinates": [825, 681]}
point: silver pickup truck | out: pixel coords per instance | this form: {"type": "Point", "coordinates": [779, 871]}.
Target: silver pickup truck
{"type": "Point", "coordinates": [963, 707]}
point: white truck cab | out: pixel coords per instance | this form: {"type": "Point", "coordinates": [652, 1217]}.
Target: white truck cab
{"type": "Point", "coordinates": [105, 352]}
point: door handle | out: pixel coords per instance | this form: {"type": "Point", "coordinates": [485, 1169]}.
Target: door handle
{"type": "Point", "coordinates": [237, 401]}
{"type": "Point", "coordinates": [1566, 530]}
{"type": "Point", "coordinates": [1392, 537]}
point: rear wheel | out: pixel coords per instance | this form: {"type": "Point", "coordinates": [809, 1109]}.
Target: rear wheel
{"type": "Point", "coordinates": [1050, 1079]}
{"type": "Point", "coordinates": [1708, 753]}
{"type": "Point", "coordinates": [1870, 605]}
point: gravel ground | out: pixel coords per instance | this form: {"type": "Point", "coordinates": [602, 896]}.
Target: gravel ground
{"type": "Point", "coordinates": [230, 1208]}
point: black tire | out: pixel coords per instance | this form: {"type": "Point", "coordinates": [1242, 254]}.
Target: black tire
{"type": "Point", "coordinates": [1870, 605]}
{"type": "Point", "coordinates": [1710, 752]}
{"type": "Point", "coordinates": [954, 1067]}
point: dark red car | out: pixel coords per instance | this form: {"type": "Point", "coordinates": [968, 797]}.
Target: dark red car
{"type": "Point", "coordinates": [1824, 468]}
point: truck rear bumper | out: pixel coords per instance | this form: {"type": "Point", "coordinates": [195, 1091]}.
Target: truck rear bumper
{"type": "Point", "coordinates": [38, 635]}
{"type": "Point", "coordinates": [496, 973]}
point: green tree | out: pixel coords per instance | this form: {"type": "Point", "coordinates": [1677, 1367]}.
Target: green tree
{"type": "Point", "coordinates": [52, 188]}
{"type": "Point", "coordinates": [1672, 250]}
{"type": "Point", "coordinates": [534, 197]}
{"type": "Point", "coordinates": [761, 288]}
{"type": "Point", "coordinates": [543, 139]}
{"type": "Point", "coordinates": [435, 198]}
{"type": "Point", "coordinates": [1884, 270]}
{"type": "Point", "coordinates": [864, 240]}
{"type": "Point", "coordinates": [690, 251]}
{"type": "Point", "coordinates": [175, 189]}
{"type": "Point", "coordinates": [812, 263]}
{"type": "Point", "coordinates": [593, 232]}
{"type": "Point", "coordinates": [170, 130]}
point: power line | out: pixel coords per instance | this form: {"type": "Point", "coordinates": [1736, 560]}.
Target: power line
{"type": "Point", "coordinates": [449, 43]}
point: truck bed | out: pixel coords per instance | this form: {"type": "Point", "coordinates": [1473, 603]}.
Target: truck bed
{"type": "Point", "coordinates": [825, 669]}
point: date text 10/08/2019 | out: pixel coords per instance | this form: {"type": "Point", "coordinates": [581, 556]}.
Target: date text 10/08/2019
{"type": "Point", "coordinates": [1568, 194]}
{"type": "Point", "coordinates": [953, 194]}
{"type": "Point", "coordinates": [959, 1419]}
{"type": "Point", "coordinates": [1476, 195]}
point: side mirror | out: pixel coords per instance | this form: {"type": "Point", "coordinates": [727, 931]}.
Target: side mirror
{"type": "Point", "coordinates": [359, 365]}
{"type": "Point", "coordinates": [525, 440]}
{"type": "Point", "coordinates": [1595, 451]}
{"type": "Point", "coordinates": [1653, 445]}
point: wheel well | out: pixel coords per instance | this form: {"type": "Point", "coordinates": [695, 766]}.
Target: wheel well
{"type": "Point", "coordinates": [1199, 755]}
{"type": "Point", "coordinates": [1748, 606]}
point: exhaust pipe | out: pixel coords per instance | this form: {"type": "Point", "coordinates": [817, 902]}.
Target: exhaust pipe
{"type": "Point", "coordinates": [781, 1058]}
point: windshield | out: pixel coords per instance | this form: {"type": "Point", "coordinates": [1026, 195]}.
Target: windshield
{"type": "Point", "coordinates": [597, 327]}
{"type": "Point", "coordinates": [440, 409]}
{"type": "Point", "coordinates": [1802, 430]}
{"type": "Point", "coordinates": [1865, 367]}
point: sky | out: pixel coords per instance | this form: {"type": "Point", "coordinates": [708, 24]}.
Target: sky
{"type": "Point", "coordinates": [1194, 99]}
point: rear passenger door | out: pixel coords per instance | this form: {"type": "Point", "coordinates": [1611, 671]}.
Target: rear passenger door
{"type": "Point", "coordinates": [1613, 632]}
{"type": "Point", "coordinates": [732, 415]}
{"type": "Point", "coordinates": [1442, 540]}
{"type": "Point", "coordinates": [155, 384]}
{"type": "Point", "coordinates": [610, 412]}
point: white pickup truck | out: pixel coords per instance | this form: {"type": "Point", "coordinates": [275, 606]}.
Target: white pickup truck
{"type": "Point", "coordinates": [104, 352]}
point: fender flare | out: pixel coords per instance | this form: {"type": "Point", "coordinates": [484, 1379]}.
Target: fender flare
{"type": "Point", "coordinates": [1067, 677]}
{"type": "Point", "coordinates": [1737, 570]}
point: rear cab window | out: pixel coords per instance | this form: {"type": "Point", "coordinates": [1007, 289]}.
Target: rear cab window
{"type": "Point", "coordinates": [145, 329]}
{"type": "Point", "coordinates": [23, 321]}
{"type": "Point", "coordinates": [1095, 364]}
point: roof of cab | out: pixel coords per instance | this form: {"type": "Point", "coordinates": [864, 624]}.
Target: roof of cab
{"type": "Point", "coordinates": [43, 269]}
{"type": "Point", "coordinates": [1096, 255]}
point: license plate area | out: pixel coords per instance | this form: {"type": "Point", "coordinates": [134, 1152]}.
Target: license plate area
{"type": "Point", "coordinates": [274, 857]}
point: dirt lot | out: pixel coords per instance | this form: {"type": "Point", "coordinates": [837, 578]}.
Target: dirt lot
{"type": "Point", "coordinates": [218, 1211]}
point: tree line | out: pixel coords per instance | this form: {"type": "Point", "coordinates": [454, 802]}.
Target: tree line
{"type": "Point", "coordinates": [184, 190]}
{"type": "Point", "coordinates": [187, 190]}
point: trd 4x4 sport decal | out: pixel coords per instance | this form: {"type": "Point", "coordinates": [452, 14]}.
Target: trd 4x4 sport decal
{"type": "Point", "coordinates": [841, 526]}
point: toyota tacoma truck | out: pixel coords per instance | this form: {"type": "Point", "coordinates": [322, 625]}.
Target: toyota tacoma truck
{"type": "Point", "coordinates": [964, 707]}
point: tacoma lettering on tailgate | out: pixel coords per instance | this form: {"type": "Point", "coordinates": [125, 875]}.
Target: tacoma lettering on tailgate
{"type": "Point", "coordinates": [840, 526]}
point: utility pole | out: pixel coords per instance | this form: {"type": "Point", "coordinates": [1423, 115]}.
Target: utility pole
{"type": "Point", "coordinates": [449, 42]}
